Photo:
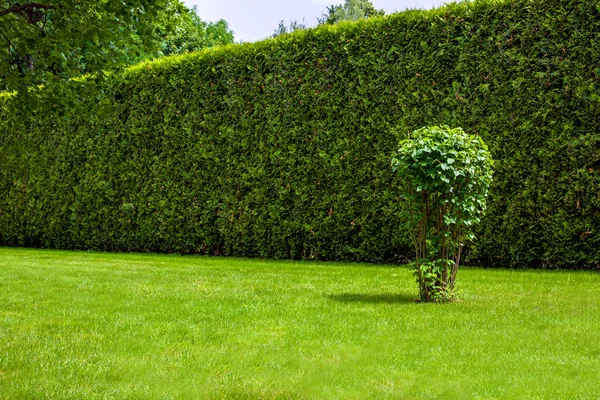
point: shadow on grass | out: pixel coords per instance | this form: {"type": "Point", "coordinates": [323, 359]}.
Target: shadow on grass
{"type": "Point", "coordinates": [385, 298]}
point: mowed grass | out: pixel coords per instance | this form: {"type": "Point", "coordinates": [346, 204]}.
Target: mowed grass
{"type": "Point", "coordinates": [97, 325]}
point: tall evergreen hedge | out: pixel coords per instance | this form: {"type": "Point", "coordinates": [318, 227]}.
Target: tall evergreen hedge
{"type": "Point", "coordinates": [282, 148]}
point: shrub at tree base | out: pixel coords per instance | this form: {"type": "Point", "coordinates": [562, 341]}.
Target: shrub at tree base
{"type": "Point", "coordinates": [446, 175]}
{"type": "Point", "coordinates": [282, 148]}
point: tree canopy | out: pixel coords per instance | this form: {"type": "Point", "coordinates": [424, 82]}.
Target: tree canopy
{"type": "Point", "coordinates": [350, 10]}
{"type": "Point", "coordinates": [192, 33]}
{"type": "Point", "coordinates": [57, 40]}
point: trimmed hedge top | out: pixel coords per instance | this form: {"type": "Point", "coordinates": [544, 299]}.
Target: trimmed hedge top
{"type": "Point", "coordinates": [282, 148]}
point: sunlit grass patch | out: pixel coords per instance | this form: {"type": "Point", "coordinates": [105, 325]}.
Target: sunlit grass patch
{"type": "Point", "coordinates": [99, 325]}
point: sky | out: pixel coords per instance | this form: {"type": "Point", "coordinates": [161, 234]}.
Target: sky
{"type": "Point", "coordinates": [253, 20]}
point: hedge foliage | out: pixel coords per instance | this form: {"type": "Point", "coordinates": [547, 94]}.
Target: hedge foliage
{"type": "Point", "coordinates": [282, 148]}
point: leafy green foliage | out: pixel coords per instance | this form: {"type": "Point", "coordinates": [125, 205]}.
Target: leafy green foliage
{"type": "Point", "coordinates": [447, 175]}
{"type": "Point", "coordinates": [282, 148]}
{"type": "Point", "coordinates": [50, 43]}
{"type": "Point", "coordinates": [42, 42]}
{"type": "Point", "coordinates": [193, 34]}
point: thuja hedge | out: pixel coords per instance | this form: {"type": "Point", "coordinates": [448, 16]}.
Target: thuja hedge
{"type": "Point", "coordinates": [282, 148]}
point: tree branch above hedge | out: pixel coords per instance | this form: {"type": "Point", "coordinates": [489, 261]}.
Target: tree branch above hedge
{"type": "Point", "coordinates": [27, 10]}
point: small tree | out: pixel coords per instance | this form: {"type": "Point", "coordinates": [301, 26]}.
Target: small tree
{"type": "Point", "coordinates": [294, 26]}
{"type": "Point", "coordinates": [350, 10]}
{"type": "Point", "coordinates": [446, 175]}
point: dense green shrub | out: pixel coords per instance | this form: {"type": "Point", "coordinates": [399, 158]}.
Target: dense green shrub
{"type": "Point", "coordinates": [446, 175]}
{"type": "Point", "coordinates": [282, 148]}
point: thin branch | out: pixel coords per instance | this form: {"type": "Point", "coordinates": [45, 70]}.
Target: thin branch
{"type": "Point", "coordinates": [44, 24]}
{"type": "Point", "coordinates": [20, 8]}
{"type": "Point", "coordinates": [7, 39]}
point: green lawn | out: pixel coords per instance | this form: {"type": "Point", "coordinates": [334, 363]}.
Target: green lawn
{"type": "Point", "coordinates": [96, 325]}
